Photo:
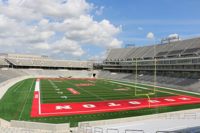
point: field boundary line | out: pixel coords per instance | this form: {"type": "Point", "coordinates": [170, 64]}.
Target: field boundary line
{"type": "Point", "coordinates": [17, 86]}
{"type": "Point", "coordinates": [143, 106]}
{"type": "Point", "coordinates": [39, 97]}
{"type": "Point", "coordinates": [142, 88]}
{"type": "Point", "coordinates": [167, 88]}
{"type": "Point", "coordinates": [26, 100]}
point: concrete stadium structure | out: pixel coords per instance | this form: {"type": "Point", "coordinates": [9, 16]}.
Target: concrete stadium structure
{"type": "Point", "coordinates": [179, 57]}
{"type": "Point", "coordinates": [41, 62]}
{"type": "Point", "coordinates": [177, 65]}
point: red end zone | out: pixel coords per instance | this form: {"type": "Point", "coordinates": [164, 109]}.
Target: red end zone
{"type": "Point", "coordinates": [64, 109]}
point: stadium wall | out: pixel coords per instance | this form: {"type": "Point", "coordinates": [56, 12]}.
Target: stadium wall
{"type": "Point", "coordinates": [186, 114]}
{"type": "Point", "coordinates": [41, 126]}
{"type": "Point", "coordinates": [7, 84]}
{"type": "Point", "coordinates": [4, 86]}
{"type": "Point", "coordinates": [4, 123]}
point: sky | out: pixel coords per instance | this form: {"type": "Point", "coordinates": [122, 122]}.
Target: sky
{"type": "Point", "coordinates": [88, 29]}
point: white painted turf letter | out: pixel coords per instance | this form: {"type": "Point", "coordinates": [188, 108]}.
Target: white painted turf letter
{"type": "Point", "coordinates": [89, 106]}
{"type": "Point", "coordinates": [66, 107]}
{"type": "Point", "coordinates": [113, 104]}
{"type": "Point", "coordinates": [184, 98]}
{"type": "Point", "coordinates": [170, 100]}
{"type": "Point", "coordinates": [134, 102]}
{"type": "Point", "coordinates": [154, 101]}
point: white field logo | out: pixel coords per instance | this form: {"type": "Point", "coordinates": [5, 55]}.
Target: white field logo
{"type": "Point", "coordinates": [115, 104]}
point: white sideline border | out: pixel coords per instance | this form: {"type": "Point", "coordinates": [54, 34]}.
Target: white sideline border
{"type": "Point", "coordinates": [39, 99]}
{"type": "Point", "coordinates": [158, 87]}
{"type": "Point", "coordinates": [37, 89]}
{"type": "Point", "coordinates": [144, 88]}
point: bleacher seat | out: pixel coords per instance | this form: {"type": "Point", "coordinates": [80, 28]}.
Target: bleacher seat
{"type": "Point", "coordinates": [3, 62]}
{"type": "Point", "coordinates": [178, 48]}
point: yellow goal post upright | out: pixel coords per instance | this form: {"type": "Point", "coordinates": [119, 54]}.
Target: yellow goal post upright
{"type": "Point", "coordinates": [136, 82]}
{"type": "Point", "coordinates": [135, 62]}
{"type": "Point", "coordinates": [155, 68]}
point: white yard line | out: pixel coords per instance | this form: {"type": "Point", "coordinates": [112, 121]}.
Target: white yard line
{"type": "Point", "coordinates": [88, 92]}
{"type": "Point", "coordinates": [26, 100]}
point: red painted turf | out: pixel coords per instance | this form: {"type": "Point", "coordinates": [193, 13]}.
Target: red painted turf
{"type": "Point", "coordinates": [73, 91]}
{"type": "Point", "coordinates": [65, 109]}
{"type": "Point", "coordinates": [35, 105]}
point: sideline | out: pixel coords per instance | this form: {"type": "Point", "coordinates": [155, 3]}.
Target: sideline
{"type": "Point", "coordinates": [167, 88]}
{"type": "Point", "coordinates": [26, 100]}
{"type": "Point", "coordinates": [144, 88]}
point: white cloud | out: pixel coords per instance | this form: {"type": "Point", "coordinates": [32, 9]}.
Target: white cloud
{"type": "Point", "coordinates": [68, 47]}
{"type": "Point", "coordinates": [88, 31]}
{"type": "Point", "coordinates": [22, 13]}
{"type": "Point", "coordinates": [100, 11]}
{"type": "Point", "coordinates": [115, 43]}
{"type": "Point", "coordinates": [99, 57]}
{"type": "Point", "coordinates": [19, 33]}
{"type": "Point", "coordinates": [58, 8]}
{"type": "Point", "coordinates": [54, 27]}
{"type": "Point", "coordinates": [43, 22]}
{"type": "Point", "coordinates": [42, 46]}
{"type": "Point", "coordinates": [150, 35]}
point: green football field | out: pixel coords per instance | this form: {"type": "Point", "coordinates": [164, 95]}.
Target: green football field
{"type": "Point", "coordinates": [17, 102]}
{"type": "Point", "coordinates": [53, 91]}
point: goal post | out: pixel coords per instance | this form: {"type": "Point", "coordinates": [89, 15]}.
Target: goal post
{"type": "Point", "coordinates": [136, 71]}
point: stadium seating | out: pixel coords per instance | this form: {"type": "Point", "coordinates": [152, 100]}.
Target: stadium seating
{"type": "Point", "coordinates": [178, 48]}
{"type": "Point", "coordinates": [49, 63]}
{"type": "Point", "coordinates": [180, 58]}
{"type": "Point", "coordinates": [56, 73]}
{"type": "Point", "coordinates": [3, 62]}
{"type": "Point", "coordinates": [6, 74]}
{"type": "Point", "coordinates": [174, 82]}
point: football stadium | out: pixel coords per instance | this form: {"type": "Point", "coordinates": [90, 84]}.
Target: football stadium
{"type": "Point", "coordinates": [150, 88]}
{"type": "Point", "coordinates": [39, 89]}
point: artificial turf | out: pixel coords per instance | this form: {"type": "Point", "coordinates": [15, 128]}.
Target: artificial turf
{"type": "Point", "coordinates": [16, 103]}
{"type": "Point", "coordinates": [101, 91]}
